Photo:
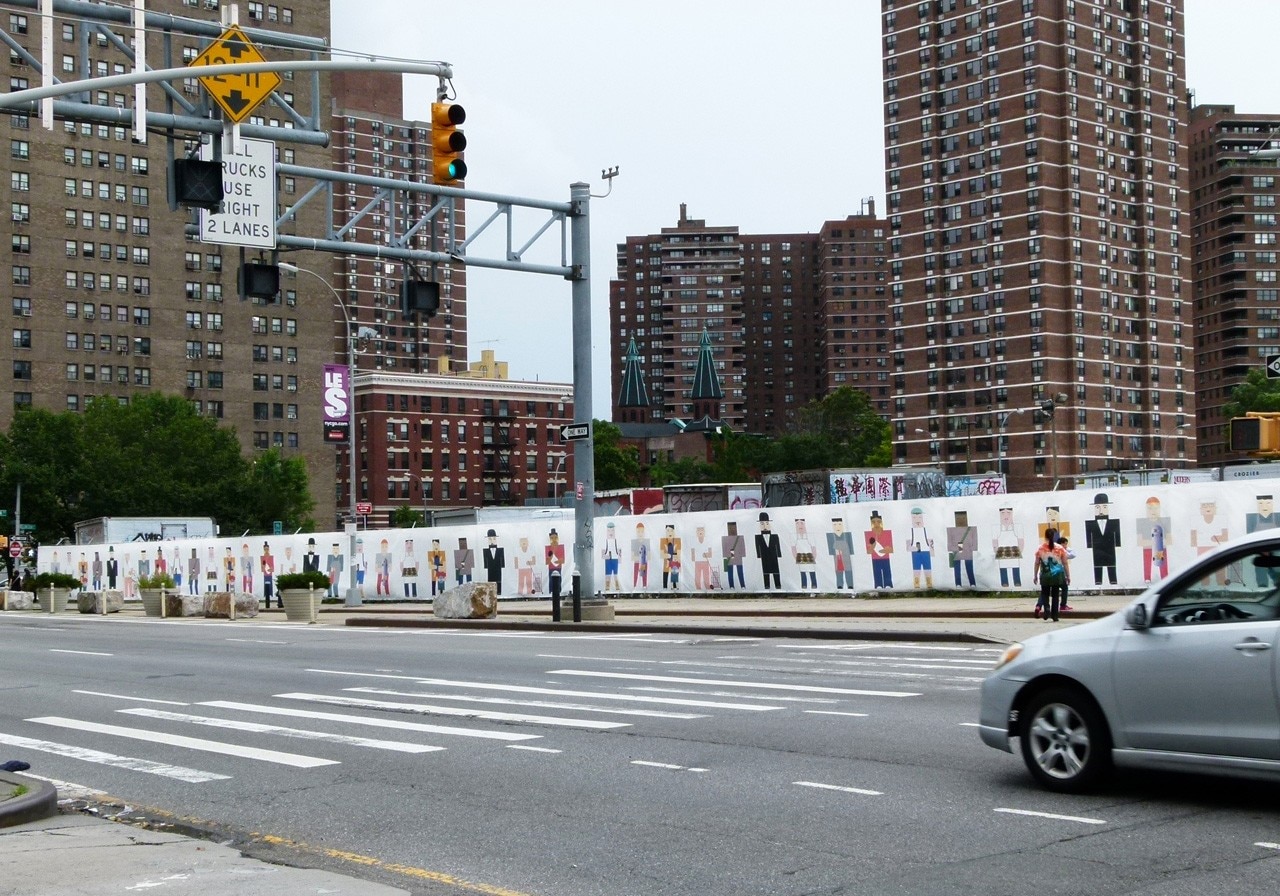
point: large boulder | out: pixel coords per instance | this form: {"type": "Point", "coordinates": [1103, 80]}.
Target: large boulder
{"type": "Point", "coordinates": [470, 600]}
{"type": "Point", "coordinates": [176, 604]}
{"type": "Point", "coordinates": [217, 604]}
{"type": "Point", "coordinates": [100, 601]}
{"type": "Point", "coordinates": [18, 600]}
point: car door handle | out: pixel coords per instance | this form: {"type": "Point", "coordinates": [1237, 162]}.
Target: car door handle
{"type": "Point", "coordinates": [1252, 644]}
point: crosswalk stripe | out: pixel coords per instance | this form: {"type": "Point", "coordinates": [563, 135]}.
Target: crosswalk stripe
{"type": "Point", "coordinates": [529, 689]}
{"type": "Point", "coordinates": [190, 743]}
{"type": "Point", "coordinates": [370, 721]}
{"type": "Point", "coordinates": [129, 763]}
{"type": "Point", "coordinates": [259, 728]}
{"type": "Point", "coordinates": [428, 709]}
{"type": "Point", "coordinates": [762, 685]}
{"type": "Point", "coordinates": [541, 704]}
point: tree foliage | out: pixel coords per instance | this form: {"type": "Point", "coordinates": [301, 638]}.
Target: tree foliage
{"type": "Point", "coordinates": [616, 465]}
{"type": "Point", "coordinates": [1256, 393]}
{"type": "Point", "coordinates": [151, 457]}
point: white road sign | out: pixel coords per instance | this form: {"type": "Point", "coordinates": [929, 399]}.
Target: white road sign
{"type": "Point", "coordinates": [572, 431]}
{"type": "Point", "coordinates": [248, 216]}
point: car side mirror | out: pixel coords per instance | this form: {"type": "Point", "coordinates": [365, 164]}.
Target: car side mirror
{"type": "Point", "coordinates": [1137, 616]}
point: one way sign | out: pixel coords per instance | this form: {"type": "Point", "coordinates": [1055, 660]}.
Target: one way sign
{"type": "Point", "coordinates": [573, 431]}
{"type": "Point", "coordinates": [1273, 367]}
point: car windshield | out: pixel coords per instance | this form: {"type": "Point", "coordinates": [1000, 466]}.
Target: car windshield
{"type": "Point", "coordinates": [1239, 586]}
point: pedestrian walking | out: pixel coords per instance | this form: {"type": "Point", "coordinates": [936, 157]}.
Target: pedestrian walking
{"type": "Point", "coordinates": [1052, 571]}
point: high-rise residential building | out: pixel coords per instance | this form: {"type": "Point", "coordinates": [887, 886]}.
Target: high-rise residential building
{"type": "Point", "coordinates": [109, 294]}
{"type": "Point", "coordinates": [1233, 235]}
{"type": "Point", "coordinates": [1036, 178]}
{"type": "Point", "coordinates": [789, 316]}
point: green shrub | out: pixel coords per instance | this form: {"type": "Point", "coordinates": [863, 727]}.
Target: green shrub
{"type": "Point", "coordinates": [47, 580]}
{"type": "Point", "coordinates": [302, 581]}
{"type": "Point", "coordinates": [156, 582]}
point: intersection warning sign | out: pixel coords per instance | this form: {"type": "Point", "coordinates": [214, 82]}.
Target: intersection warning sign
{"type": "Point", "coordinates": [237, 94]}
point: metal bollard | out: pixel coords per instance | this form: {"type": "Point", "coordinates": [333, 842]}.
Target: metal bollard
{"type": "Point", "coordinates": [577, 598]}
{"type": "Point", "coordinates": [555, 608]}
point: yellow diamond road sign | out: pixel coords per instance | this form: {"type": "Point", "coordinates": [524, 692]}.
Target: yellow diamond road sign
{"type": "Point", "coordinates": [239, 94]}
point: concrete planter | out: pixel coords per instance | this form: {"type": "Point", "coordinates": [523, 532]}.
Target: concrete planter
{"type": "Point", "coordinates": [300, 605]}
{"type": "Point", "coordinates": [152, 600]}
{"type": "Point", "coordinates": [60, 598]}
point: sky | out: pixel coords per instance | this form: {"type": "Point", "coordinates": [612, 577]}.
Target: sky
{"type": "Point", "coordinates": [767, 116]}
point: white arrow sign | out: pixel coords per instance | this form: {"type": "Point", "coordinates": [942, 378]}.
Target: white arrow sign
{"type": "Point", "coordinates": [573, 431]}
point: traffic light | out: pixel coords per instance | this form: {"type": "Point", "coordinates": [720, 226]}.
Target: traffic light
{"type": "Point", "coordinates": [1257, 433]}
{"type": "Point", "coordinates": [447, 143]}
{"type": "Point", "coordinates": [419, 297]}
{"type": "Point", "coordinates": [198, 184]}
{"type": "Point", "coordinates": [260, 280]}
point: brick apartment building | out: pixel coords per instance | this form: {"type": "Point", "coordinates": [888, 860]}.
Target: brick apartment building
{"type": "Point", "coordinates": [1037, 188]}
{"type": "Point", "coordinates": [1233, 237]}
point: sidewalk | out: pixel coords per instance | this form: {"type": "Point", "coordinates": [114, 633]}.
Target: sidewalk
{"type": "Point", "coordinates": [37, 845]}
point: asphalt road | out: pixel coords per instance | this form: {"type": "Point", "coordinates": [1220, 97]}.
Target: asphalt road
{"type": "Point", "coordinates": [573, 764]}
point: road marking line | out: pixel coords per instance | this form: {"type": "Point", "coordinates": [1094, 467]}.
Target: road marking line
{"type": "Point", "coordinates": [666, 765]}
{"type": "Point", "coordinates": [190, 743]}
{"type": "Point", "coordinates": [532, 749]}
{"type": "Point", "coordinates": [832, 712]}
{"type": "Point", "coordinates": [764, 685]}
{"type": "Point", "coordinates": [541, 704]}
{"type": "Point", "coordinates": [858, 790]}
{"type": "Point", "coordinates": [1052, 816]}
{"type": "Point", "coordinates": [969, 725]}
{"type": "Point", "coordinates": [259, 728]}
{"type": "Point", "coordinates": [130, 763]}
{"type": "Point", "coordinates": [133, 699]}
{"type": "Point", "coordinates": [777, 698]}
{"type": "Point", "coordinates": [427, 709]}
{"type": "Point", "coordinates": [255, 641]}
{"type": "Point", "coordinates": [1266, 845]}
{"type": "Point", "coordinates": [528, 689]}
{"type": "Point", "coordinates": [80, 652]}
{"type": "Point", "coordinates": [602, 659]}
{"type": "Point", "coordinates": [370, 721]}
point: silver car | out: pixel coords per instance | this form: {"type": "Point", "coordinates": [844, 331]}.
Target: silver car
{"type": "Point", "coordinates": [1185, 678]}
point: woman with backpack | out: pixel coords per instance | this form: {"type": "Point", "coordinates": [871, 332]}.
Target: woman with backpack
{"type": "Point", "coordinates": [1053, 574]}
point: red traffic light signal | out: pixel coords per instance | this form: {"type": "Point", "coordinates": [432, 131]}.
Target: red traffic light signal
{"type": "Point", "coordinates": [447, 143]}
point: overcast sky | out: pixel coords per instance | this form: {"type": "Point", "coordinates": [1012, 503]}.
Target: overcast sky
{"type": "Point", "coordinates": [752, 113]}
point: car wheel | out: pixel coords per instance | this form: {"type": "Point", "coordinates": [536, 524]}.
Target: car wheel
{"type": "Point", "coordinates": [1065, 742]}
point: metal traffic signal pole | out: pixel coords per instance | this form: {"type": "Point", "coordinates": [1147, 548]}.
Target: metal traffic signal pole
{"type": "Point", "coordinates": [584, 465]}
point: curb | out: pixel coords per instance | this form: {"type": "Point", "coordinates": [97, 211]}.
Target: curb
{"type": "Point", "coordinates": [40, 800]}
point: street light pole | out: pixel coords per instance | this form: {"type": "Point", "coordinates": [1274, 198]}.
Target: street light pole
{"type": "Point", "coordinates": [353, 594]}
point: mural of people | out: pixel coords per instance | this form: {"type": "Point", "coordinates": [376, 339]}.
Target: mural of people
{"type": "Point", "coordinates": [962, 542]}
{"type": "Point", "coordinates": [1208, 533]}
{"type": "Point", "coordinates": [464, 562]}
{"type": "Point", "coordinates": [640, 553]}
{"type": "Point", "coordinates": [1102, 536]}
{"type": "Point", "coordinates": [769, 551]}
{"type": "Point", "coordinates": [669, 548]}
{"type": "Point", "coordinates": [193, 573]}
{"type": "Point", "coordinates": [130, 576]}
{"type": "Point", "coordinates": [409, 571]}
{"type": "Point", "coordinates": [1008, 545]}
{"type": "Point", "coordinates": [362, 566]}
{"type": "Point", "coordinates": [229, 570]}
{"type": "Point", "coordinates": [310, 560]}
{"type": "Point", "coordinates": [700, 557]}
{"type": "Point", "coordinates": [246, 570]}
{"type": "Point", "coordinates": [840, 549]}
{"type": "Point", "coordinates": [494, 559]}
{"type": "Point", "coordinates": [82, 570]}
{"type": "Point", "coordinates": [162, 565]}
{"type": "Point", "coordinates": [113, 568]}
{"type": "Point", "coordinates": [805, 556]}
{"type": "Point", "coordinates": [267, 566]}
{"type": "Point", "coordinates": [144, 564]}
{"type": "Point", "coordinates": [1053, 520]}
{"type": "Point", "coordinates": [437, 567]}
{"type": "Point", "coordinates": [290, 562]}
{"type": "Point", "coordinates": [1263, 518]}
{"type": "Point", "coordinates": [733, 547]}
{"type": "Point", "coordinates": [334, 563]}
{"type": "Point", "coordinates": [211, 571]}
{"type": "Point", "coordinates": [879, 544]}
{"type": "Point", "coordinates": [1153, 535]}
{"type": "Point", "coordinates": [97, 571]}
{"type": "Point", "coordinates": [382, 569]}
{"type": "Point", "coordinates": [553, 554]}
{"type": "Point", "coordinates": [526, 562]}
{"type": "Point", "coordinates": [611, 554]}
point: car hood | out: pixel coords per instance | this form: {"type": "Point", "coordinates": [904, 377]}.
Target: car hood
{"type": "Point", "coordinates": [1040, 652]}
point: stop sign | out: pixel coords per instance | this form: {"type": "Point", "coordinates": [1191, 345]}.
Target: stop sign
{"type": "Point", "coordinates": [15, 548]}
